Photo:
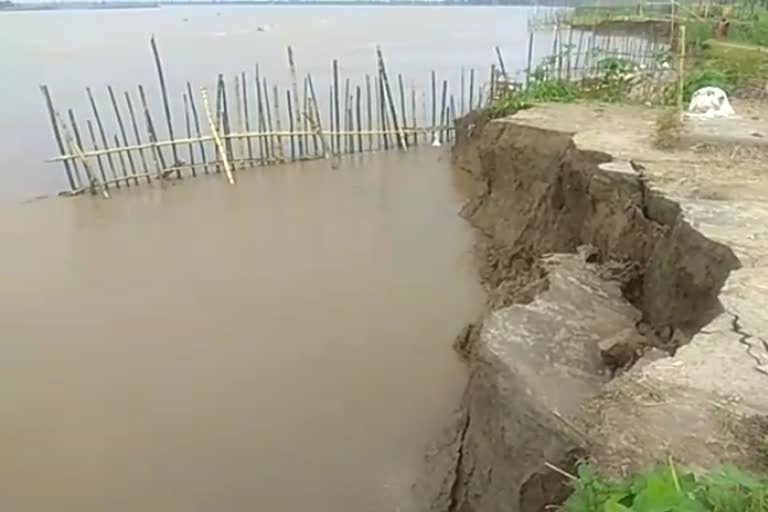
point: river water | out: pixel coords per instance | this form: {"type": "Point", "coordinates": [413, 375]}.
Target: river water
{"type": "Point", "coordinates": [282, 344]}
{"type": "Point", "coordinates": [74, 49]}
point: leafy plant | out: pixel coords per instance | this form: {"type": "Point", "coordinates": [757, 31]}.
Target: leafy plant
{"type": "Point", "coordinates": [698, 78]}
{"type": "Point", "coordinates": [669, 489]}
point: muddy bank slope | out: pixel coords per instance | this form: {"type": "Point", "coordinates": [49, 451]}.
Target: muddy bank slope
{"type": "Point", "coordinates": [622, 322]}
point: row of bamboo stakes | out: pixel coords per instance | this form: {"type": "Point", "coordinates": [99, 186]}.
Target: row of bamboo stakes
{"type": "Point", "coordinates": [233, 130]}
{"type": "Point", "coordinates": [375, 115]}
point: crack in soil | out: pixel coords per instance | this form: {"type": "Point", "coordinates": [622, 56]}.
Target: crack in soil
{"type": "Point", "coordinates": [744, 338]}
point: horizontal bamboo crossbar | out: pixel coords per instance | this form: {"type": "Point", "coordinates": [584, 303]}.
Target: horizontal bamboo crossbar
{"type": "Point", "coordinates": [245, 135]}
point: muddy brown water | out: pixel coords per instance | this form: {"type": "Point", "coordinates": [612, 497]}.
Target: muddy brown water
{"type": "Point", "coordinates": [283, 344]}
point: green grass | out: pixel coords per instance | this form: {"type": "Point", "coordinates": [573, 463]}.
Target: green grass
{"type": "Point", "coordinates": [730, 68]}
{"type": "Point", "coordinates": [669, 489]}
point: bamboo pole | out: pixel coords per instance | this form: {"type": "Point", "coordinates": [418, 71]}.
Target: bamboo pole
{"type": "Point", "coordinates": [334, 126]}
{"type": "Point", "coordinates": [681, 70]}
{"type": "Point", "coordinates": [188, 126]}
{"type": "Point", "coordinates": [305, 121]}
{"type": "Point", "coordinates": [291, 138]}
{"type": "Point", "coordinates": [369, 109]}
{"type": "Point", "coordinates": [136, 137]}
{"type": "Point", "coordinates": [57, 134]}
{"type": "Point", "coordinates": [92, 183]}
{"type": "Point", "coordinates": [95, 145]}
{"type": "Point", "coordinates": [226, 119]}
{"type": "Point", "coordinates": [461, 86]}
{"type": "Point", "coordinates": [569, 50]}
{"type": "Point", "coordinates": [279, 138]}
{"type": "Point", "coordinates": [530, 60]}
{"type": "Point", "coordinates": [157, 154]}
{"type": "Point", "coordinates": [315, 120]}
{"type": "Point", "coordinates": [246, 113]}
{"type": "Point", "coordinates": [383, 113]}
{"type": "Point", "coordinates": [578, 53]}
{"type": "Point", "coordinates": [123, 134]}
{"type": "Point", "coordinates": [402, 105]}
{"type": "Point", "coordinates": [198, 131]}
{"type": "Point", "coordinates": [348, 142]}
{"type": "Point", "coordinates": [335, 104]}
{"type": "Point", "coordinates": [434, 106]}
{"type": "Point", "coordinates": [413, 114]}
{"type": "Point", "coordinates": [261, 124]}
{"type": "Point", "coordinates": [166, 105]}
{"type": "Point", "coordinates": [392, 108]}
{"type": "Point", "coordinates": [75, 131]}
{"type": "Point", "coordinates": [492, 95]}
{"type": "Point", "coordinates": [472, 88]}
{"type": "Point", "coordinates": [102, 133]}
{"type": "Point", "coordinates": [443, 106]}
{"type": "Point", "coordinates": [219, 144]}
{"type": "Point", "coordinates": [502, 67]}
{"type": "Point", "coordinates": [358, 117]}
{"type": "Point", "coordinates": [240, 118]}
{"type": "Point", "coordinates": [295, 85]}
{"type": "Point", "coordinates": [268, 115]}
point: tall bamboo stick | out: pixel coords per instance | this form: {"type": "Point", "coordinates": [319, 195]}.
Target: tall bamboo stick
{"type": "Point", "coordinates": [295, 85]}
{"type": "Point", "coordinates": [157, 154]}
{"type": "Point", "coordinates": [335, 105]}
{"type": "Point", "coordinates": [358, 116]}
{"type": "Point", "coordinates": [369, 110]}
{"type": "Point", "coordinates": [246, 115]}
{"type": "Point", "coordinates": [123, 134]}
{"type": "Point", "coordinates": [471, 88]}
{"type": "Point", "coordinates": [434, 105]}
{"type": "Point", "coordinates": [166, 105]}
{"type": "Point", "coordinates": [402, 105]}
{"type": "Point", "coordinates": [383, 113]}
{"type": "Point", "coordinates": [240, 118]}
{"type": "Point", "coordinates": [530, 60]}
{"type": "Point", "coordinates": [188, 126]}
{"type": "Point", "coordinates": [217, 139]}
{"type": "Point", "coordinates": [261, 124]}
{"type": "Point", "coordinates": [198, 131]}
{"type": "Point", "coordinates": [291, 127]}
{"type": "Point", "coordinates": [136, 136]}
{"type": "Point", "coordinates": [76, 132]}
{"type": "Point", "coordinates": [276, 97]}
{"type": "Point", "coordinates": [102, 133]}
{"type": "Point", "coordinates": [502, 67]}
{"type": "Point", "coordinates": [57, 134]}
{"type": "Point", "coordinates": [414, 123]}
{"type": "Point", "coordinates": [315, 120]}
{"type": "Point", "coordinates": [461, 86]}
{"type": "Point", "coordinates": [392, 108]}
{"type": "Point", "coordinates": [348, 142]}
{"type": "Point", "coordinates": [443, 107]}
{"type": "Point", "coordinates": [75, 148]}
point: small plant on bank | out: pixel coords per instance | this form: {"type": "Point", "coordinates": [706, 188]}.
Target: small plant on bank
{"type": "Point", "coordinates": [669, 489]}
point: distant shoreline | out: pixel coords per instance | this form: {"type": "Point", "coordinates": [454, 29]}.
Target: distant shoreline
{"type": "Point", "coordinates": [6, 6]}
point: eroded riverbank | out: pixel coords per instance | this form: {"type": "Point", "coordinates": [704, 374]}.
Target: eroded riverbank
{"type": "Point", "coordinates": [619, 298]}
{"type": "Point", "coordinates": [281, 344]}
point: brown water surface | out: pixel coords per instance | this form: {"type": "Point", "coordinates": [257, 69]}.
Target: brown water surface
{"type": "Point", "coordinates": [280, 345]}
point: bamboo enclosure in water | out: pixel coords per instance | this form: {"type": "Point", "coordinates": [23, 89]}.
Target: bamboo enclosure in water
{"type": "Point", "coordinates": [270, 124]}
{"type": "Point", "coordinates": [267, 124]}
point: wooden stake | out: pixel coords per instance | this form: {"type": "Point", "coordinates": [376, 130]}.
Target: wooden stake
{"type": "Point", "coordinates": [102, 134]}
{"type": "Point", "coordinates": [462, 104]}
{"type": "Point", "coordinates": [76, 132]}
{"type": "Point", "coordinates": [263, 144]}
{"type": "Point", "coordinates": [335, 105]}
{"type": "Point", "coordinates": [348, 142]}
{"type": "Point", "coordinates": [315, 120]}
{"type": "Point", "coordinates": [443, 107]}
{"type": "Point", "coordinates": [369, 110]}
{"type": "Point", "coordinates": [383, 113]}
{"type": "Point", "coordinates": [188, 126]}
{"type": "Point", "coordinates": [247, 116]}
{"type": "Point", "coordinates": [413, 115]}
{"type": "Point", "coordinates": [166, 106]}
{"type": "Point", "coordinates": [217, 139]}
{"type": "Point", "coordinates": [240, 118]}
{"type": "Point", "coordinates": [358, 117]}
{"type": "Point", "coordinates": [57, 134]}
{"type": "Point", "coordinates": [434, 106]}
{"type": "Point", "coordinates": [291, 125]}
{"type": "Point", "coordinates": [530, 60]}
{"type": "Point", "coordinates": [402, 106]}
{"type": "Point", "coordinates": [279, 139]}
{"type": "Point", "coordinates": [123, 134]}
{"type": "Point", "coordinates": [198, 131]}
{"type": "Point", "coordinates": [502, 68]}
{"type": "Point", "coordinates": [158, 155]}
{"type": "Point", "coordinates": [295, 85]}
{"type": "Point", "coordinates": [471, 88]}
{"type": "Point", "coordinates": [136, 136]}
{"type": "Point", "coordinates": [392, 109]}
{"type": "Point", "coordinates": [92, 183]}
{"type": "Point", "coordinates": [268, 113]}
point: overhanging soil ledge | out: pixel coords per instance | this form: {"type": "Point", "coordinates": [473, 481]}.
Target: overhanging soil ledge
{"type": "Point", "coordinates": [607, 335]}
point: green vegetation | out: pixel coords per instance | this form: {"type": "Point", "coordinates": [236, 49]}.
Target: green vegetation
{"type": "Point", "coordinates": [732, 68]}
{"type": "Point", "coordinates": [669, 489]}
{"type": "Point", "coordinates": [612, 84]}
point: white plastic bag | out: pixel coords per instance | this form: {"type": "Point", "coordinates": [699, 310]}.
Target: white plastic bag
{"type": "Point", "coordinates": [710, 102]}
